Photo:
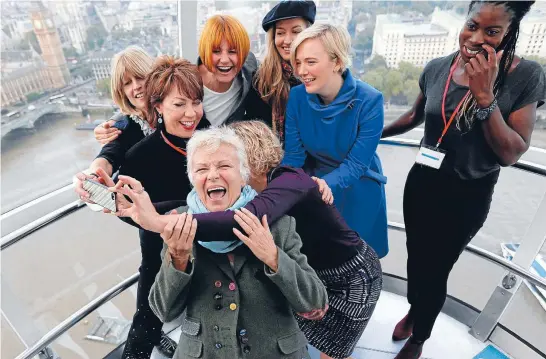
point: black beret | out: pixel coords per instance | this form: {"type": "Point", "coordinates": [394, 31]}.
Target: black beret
{"type": "Point", "coordinates": [289, 10]}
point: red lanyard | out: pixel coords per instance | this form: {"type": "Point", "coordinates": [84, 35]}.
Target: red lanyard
{"type": "Point", "coordinates": [177, 149]}
{"type": "Point", "coordinates": [448, 123]}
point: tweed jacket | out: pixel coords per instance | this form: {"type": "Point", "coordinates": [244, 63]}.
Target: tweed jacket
{"type": "Point", "coordinates": [244, 311]}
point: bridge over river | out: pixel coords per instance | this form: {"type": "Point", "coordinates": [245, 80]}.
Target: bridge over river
{"type": "Point", "coordinates": [28, 118]}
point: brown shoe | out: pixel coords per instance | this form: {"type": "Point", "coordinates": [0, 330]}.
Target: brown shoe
{"type": "Point", "coordinates": [403, 329]}
{"type": "Point", "coordinates": [410, 351]}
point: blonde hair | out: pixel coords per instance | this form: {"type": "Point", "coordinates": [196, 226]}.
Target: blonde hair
{"type": "Point", "coordinates": [218, 28]}
{"type": "Point", "coordinates": [135, 61]}
{"type": "Point", "coordinates": [335, 39]}
{"type": "Point", "coordinates": [270, 81]}
{"type": "Point", "coordinates": [263, 148]}
{"type": "Point", "coordinates": [210, 140]}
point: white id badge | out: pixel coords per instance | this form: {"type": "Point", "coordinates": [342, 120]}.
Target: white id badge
{"type": "Point", "coordinates": [431, 157]}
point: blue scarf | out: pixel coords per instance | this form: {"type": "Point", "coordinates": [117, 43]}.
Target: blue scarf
{"type": "Point", "coordinates": [196, 206]}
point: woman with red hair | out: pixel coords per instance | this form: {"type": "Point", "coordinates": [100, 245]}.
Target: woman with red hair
{"type": "Point", "coordinates": [173, 90]}
{"type": "Point", "coordinates": [227, 68]}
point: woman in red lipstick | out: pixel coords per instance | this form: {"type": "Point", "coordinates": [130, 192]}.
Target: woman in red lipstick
{"type": "Point", "coordinates": [173, 91]}
{"type": "Point", "coordinates": [479, 108]}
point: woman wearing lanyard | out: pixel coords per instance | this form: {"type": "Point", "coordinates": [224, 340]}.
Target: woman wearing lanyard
{"type": "Point", "coordinates": [479, 107]}
{"type": "Point", "coordinates": [174, 92]}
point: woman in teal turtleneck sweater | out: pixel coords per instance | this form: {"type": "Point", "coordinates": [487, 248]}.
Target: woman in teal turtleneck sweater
{"type": "Point", "coordinates": [333, 127]}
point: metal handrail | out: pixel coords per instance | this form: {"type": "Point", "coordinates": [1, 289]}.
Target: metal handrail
{"type": "Point", "coordinates": [77, 317]}
{"type": "Point", "coordinates": [19, 234]}
{"type": "Point", "coordinates": [121, 287]}
{"type": "Point", "coordinates": [521, 164]}
{"type": "Point", "coordinates": [492, 257]}
{"type": "Point", "coordinates": [124, 285]}
{"type": "Point", "coordinates": [43, 221]}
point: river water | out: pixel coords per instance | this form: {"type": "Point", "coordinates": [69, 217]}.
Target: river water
{"type": "Point", "coordinates": [35, 162]}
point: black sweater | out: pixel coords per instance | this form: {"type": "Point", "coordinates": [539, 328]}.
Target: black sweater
{"type": "Point", "coordinates": [114, 152]}
{"type": "Point", "coordinates": [161, 169]}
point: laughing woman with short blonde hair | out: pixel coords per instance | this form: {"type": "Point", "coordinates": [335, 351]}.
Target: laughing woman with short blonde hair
{"type": "Point", "coordinates": [336, 120]}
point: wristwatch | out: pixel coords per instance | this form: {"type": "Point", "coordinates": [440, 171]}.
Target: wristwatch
{"type": "Point", "coordinates": [483, 114]}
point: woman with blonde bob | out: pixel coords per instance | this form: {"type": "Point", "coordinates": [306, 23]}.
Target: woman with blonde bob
{"type": "Point", "coordinates": [227, 67]}
{"type": "Point", "coordinates": [129, 69]}
{"type": "Point", "coordinates": [333, 126]}
{"type": "Point", "coordinates": [347, 266]}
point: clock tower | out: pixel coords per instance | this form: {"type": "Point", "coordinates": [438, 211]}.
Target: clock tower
{"type": "Point", "coordinates": [50, 44]}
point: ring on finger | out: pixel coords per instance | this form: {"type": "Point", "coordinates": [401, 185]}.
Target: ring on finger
{"type": "Point", "coordinates": [140, 191]}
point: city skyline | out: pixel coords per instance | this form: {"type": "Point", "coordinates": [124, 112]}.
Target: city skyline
{"type": "Point", "coordinates": [84, 35]}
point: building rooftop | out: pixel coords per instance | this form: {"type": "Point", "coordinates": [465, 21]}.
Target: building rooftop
{"type": "Point", "coordinates": [425, 30]}
{"type": "Point", "coordinates": [408, 18]}
{"type": "Point", "coordinates": [26, 68]}
{"type": "Point", "coordinates": [409, 25]}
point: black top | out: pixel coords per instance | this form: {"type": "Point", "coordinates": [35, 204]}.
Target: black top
{"type": "Point", "coordinates": [114, 152]}
{"type": "Point", "coordinates": [258, 109]}
{"type": "Point", "coordinates": [246, 106]}
{"type": "Point", "coordinates": [160, 168]}
{"type": "Point", "coordinates": [468, 155]}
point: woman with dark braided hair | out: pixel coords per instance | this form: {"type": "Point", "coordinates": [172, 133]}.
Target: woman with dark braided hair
{"type": "Point", "coordinates": [479, 109]}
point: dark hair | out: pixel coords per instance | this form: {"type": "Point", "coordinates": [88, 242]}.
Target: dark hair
{"type": "Point", "coordinates": [517, 10]}
{"type": "Point", "coordinates": [167, 73]}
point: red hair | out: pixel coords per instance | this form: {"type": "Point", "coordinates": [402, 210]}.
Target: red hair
{"type": "Point", "coordinates": [223, 27]}
{"type": "Point", "coordinates": [166, 74]}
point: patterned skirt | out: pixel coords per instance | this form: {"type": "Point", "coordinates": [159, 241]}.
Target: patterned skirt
{"type": "Point", "coordinates": [353, 291]}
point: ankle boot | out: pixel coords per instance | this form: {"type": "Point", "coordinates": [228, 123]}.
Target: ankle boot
{"type": "Point", "coordinates": [411, 350]}
{"type": "Point", "coordinates": [403, 329]}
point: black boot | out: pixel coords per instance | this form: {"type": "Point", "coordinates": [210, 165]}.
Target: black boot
{"type": "Point", "coordinates": [411, 350]}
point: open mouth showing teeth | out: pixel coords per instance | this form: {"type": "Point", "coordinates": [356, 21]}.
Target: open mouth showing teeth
{"type": "Point", "coordinates": [139, 95]}
{"type": "Point", "coordinates": [308, 80]}
{"type": "Point", "coordinates": [216, 192]}
{"type": "Point", "coordinates": [188, 125]}
{"type": "Point", "coordinates": [472, 52]}
{"type": "Point", "coordinates": [224, 68]}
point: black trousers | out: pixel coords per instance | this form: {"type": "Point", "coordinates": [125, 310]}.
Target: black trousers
{"type": "Point", "coordinates": [442, 213]}
{"type": "Point", "coordinates": [145, 331]}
